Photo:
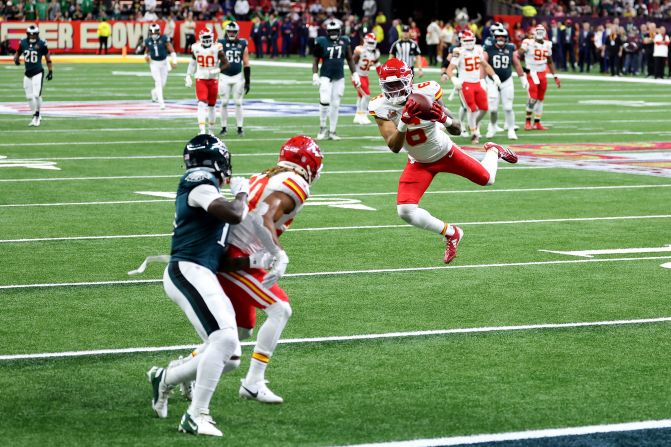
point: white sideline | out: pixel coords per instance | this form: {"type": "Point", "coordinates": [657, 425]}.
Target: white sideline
{"type": "Point", "coordinates": [346, 272]}
{"type": "Point", "coordinates": [344, 228]}
{"type": "Point", "coordinates": [362, 194]}
{"type": "Point", "coordinates": [523, 435]}
{"type": "Point", "coordinates": [336, 338]}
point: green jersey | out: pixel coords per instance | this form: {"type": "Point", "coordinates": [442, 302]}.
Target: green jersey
{"type": "Point", "coordinates": [41, 7]}
{"type": "Point", "coordinates": [158, 49]}
{"type": "Point", "coordinates": [198, 237]}
{"type": "Point", "coordinates": [32, 53]}
{"type": "Point", "coordinates": [233, 49]}
{"type": "Point", "coordinates": [332, 53]}
{"type": "Point", "coordinates": [501, 59]}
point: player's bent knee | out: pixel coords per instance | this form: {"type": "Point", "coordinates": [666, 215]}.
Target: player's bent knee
{"type": "Point", "coordinates": [224, 340]}
{"type": "Point", "coordinates": [232, 364]}
{"type": "Point", "coordinates": [281, 310]}
{"type": "Point", "coordinates": [245, 333]}
{"type": "Point", "coordinates": [238, 102]}
{"type": "Point", "coordinates": [406, 212]}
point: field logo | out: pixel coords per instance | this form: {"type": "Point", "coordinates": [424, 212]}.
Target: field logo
{"type": "Point", "coordinates": [28, 164]}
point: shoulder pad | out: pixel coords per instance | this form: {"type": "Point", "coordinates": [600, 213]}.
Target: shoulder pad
{"type": "Point", "coordinates": [376, 107]}
{"type": "Point", "coordinates": [221, 41]}
{"type": "Point", "coordinates": [429, 88]}
{"type": "Point", "coordinates": [292, 185]}
{"type": "Point", "coordinates": [243, 41]}
{"type": "Point", "coordinates": [200, 176]}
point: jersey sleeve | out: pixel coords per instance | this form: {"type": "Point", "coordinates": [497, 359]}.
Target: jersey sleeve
{"type": "Point", "coordinates": [44, 48]}
{"type": "Point", "coordinates": [431, 89]}
{"type": "Point", "coordinates": [525, 45]}
{"type": "Point", "coordinates": [318, 51]}
{"type": "Point", "coordinates": [376, 108]}
{"type": "Point", "coordinates": [292, 185]}
{"type": "Point", "coordinates": [203, 195]}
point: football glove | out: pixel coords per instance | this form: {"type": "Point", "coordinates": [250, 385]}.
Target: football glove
{"type": "Point", "coordinates": [557, 82]}
{"type": "Point", "coordinates": [278, 269]}
{"type": "Point", "coordinates": [261, 260]}
{"type": "Point", "coordinates": [246, 88]}
{"type": "Point", "coordinates": [17, 62]}
{"type": "Point", "coordinates": [444, 78]}
{"type": "Point", "coordinates": [356, 80]}
{"type": "Point", "coordinates": [438, 114]}
{"type": "Point", "coordinates": [50, 75]}
{"type": "Point", "coordinates": [315, 79]}
{"type": "Point", "coordinates": [456, 82]}
{"type": "Point", "coordinates": [239, 185]}
{"type": "Point", "coordinates": [525, 83]}
{"type": "Point", "coordinates": [410, 111]}
{"type": "Point", "coordinates": [497, 80]}
{"type": "Point", "coordinates": [188, 82]}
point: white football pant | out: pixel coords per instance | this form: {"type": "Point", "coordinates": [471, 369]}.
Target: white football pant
{"type": "Point", "coordinates": [330, 93]}
{"type": "Point", "coordinates": [159, 71]}
{"type": "Point", "coordinates": [33, 89]}
{"type": "Point", "coordinates": [504, 94]}
{"type": "Point", "coordinates": [227, 85]}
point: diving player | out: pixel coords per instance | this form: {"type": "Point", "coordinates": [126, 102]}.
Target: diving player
{"type": "Point", "coordinates": [331, 50]}
{"type": "Point", "coordinates": [231, 79]}
{"type": "Point", "coordinates": [156, 49]}
{"type": "Point", "coordinates": [32, 48]}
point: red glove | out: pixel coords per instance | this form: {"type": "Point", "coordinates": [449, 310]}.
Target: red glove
{"type": "Point", "coordinates": [557, 82]}
{"type": "Point", "coordinates": [410, 111]}
{"type": "Point", "coordinates": [437, 113]}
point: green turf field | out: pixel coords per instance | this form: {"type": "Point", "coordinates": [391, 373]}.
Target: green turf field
{"type": "Point", "coordinates": [353, 272]}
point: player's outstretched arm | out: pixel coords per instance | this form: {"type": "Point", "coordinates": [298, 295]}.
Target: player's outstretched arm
{"type": "Point", "coordinates": [234, 211]}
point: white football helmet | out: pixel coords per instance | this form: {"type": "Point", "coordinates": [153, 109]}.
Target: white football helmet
{"type": "Point", "coordinates": [539, 33]}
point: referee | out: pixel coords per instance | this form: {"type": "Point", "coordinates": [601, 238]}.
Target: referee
{"type": "Point", "coordinates": [407, 50]}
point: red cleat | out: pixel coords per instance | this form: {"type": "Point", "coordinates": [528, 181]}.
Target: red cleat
{"type": "Point", "coordinates": [452, 242]}
{"type": "Point", "coordinates": [527, 125]}
{"type": "Point", "coordinates": [539, 126]}
{"type": "Point", "coordinates": [504, 152]}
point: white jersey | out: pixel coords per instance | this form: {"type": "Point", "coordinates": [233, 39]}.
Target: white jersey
{"type": "Point", "coordinates": [468, 63]}
{"type": "Point", "coordinates": [425, 141]}
{"type": "Point", "coordinates": [536, 54]}
{"type": "Point", "coordinates": [261, 186]}
{"type": "Point", "coordinates": [367, 59]}
{"type": "Point", "coordinates": [207, 60]}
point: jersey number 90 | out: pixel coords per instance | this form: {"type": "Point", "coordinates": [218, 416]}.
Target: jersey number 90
{"type": "Point", "coordinates": [205, 61]}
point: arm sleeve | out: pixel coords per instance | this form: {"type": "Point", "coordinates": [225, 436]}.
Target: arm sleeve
{"type": "Point", "coordinates": [202, 196]}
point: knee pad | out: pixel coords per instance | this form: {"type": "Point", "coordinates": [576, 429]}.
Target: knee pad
{"type": "Point", "coordinates": [406, 212]}
{"type": "Point", "coordinates": [224, 341]}
{"type": "Point", "coordinates": [244, 333]}
{"type": "Point", "coordinates": [281, 310]}
{"type": "Point", "coordinates": [238, 102]}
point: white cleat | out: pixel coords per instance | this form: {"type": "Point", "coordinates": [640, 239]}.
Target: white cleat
{"type": "Point", "coordinates": [201, 424]}
{"type": "Point", "coordinates": [32, 122]}
{"type": "Point", "coordinates": [323, 133]}
{"type": "Point", "coordinates": [154, 97]}
{"type": "Point", "coordinates": [357, 119]}
{"type": "Point", "coordinates": [333, 136]}
{"type": "Point", "coordinates": [37, 121]}
{"type": "Point", "coordinates": [491, 131]}
{"type": "Point", "coordinates": [464, 133]}
{"type": "Point", "coordinates": [160, 391]}
{"type": "Point", "coordinates": [161, 107]}
{"type": "Point", "coordinates": [498, 128]}
{"type": "Point", "coordinates": [259, 391]}
{"type": "Point", "coordinates": [511, 134]}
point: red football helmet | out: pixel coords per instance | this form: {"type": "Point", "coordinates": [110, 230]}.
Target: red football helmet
{"type": "Point", "coordinates": [468, 39]}
{"type": "Point", "coordinates": [539, 33]}
{"type": "Point", "coordinates": [206, 37]}
{"type": "Point", "coordinates": [395, 80]}
{"type": "Point", "coordinates": [369, 41]}
{"type": "Point", "coordinates": [302, 154]}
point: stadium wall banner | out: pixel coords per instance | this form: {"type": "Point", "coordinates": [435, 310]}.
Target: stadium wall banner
{"type": "Point", "coordinates": [82, 36]}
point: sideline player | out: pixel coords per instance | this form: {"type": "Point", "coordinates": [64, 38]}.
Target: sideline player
{"type": "Point", "coordinates": [502, 56]}
{"type": "Point", "coordinates": [202, 222]}
{"type": "Point", "coordinates": [231, 79]}
{"type": "Point", "coordinates": [208, 60]}
{"type": "Point", "coordinates": [156, 49]}
{"type": "Point", "coordinates": [537, 54]}
{"type": "Point", "coordinates": [332, 50]}
{"type": "Point", "coordinates": [277, 196]}
{"type": "Point", "coordinates": [365, 56]}
{"type": "Point", "coordinates": [430, 149]}
{"type": "Point", "coordinates": [447, 57]}
{"type": "Point", "coordinates": [32, 48]}
{"type": "Point", "coordinates": [469, 61]}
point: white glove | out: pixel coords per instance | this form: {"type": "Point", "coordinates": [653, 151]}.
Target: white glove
{"type": "Point", "coordinates": [356, 80]}
{"type": "Point", "coordinates": [497, 80]}
{"type": "Point", "coordinates": [187, 81]}
{"type": "Point", "coordinates": [456, 82]}
{"type": "Point", "coordinates": [239, 185]}
{"type": "Point", "coordinates": [525, 83]}
{"type": "Point", "coordinates": [315, 79]}
{"type": "Point", "coordinates": [261, 260]}
{"type": "Point", "coordinates": [279, 267]}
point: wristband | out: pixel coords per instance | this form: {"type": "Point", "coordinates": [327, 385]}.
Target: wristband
{"type": "Point", "coordinates": [402, 127]}
{"type": "Point", "coordinates": [448, 122]}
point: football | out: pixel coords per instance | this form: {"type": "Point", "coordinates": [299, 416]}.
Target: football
{"type": "Point", "coordinates": [424, 102]}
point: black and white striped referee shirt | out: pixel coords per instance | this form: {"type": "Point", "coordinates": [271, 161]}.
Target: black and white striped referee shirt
{"type": "Point", "coordinates": [405, 50]}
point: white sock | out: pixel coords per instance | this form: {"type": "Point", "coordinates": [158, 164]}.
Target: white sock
{"type": "Point", "coordinates": [493, 117]}
{"type": "Point", "coordinates": [202, 116]}
{"type": "Point", "coordinates": [266, 340]}
{"type": "Point", "coordinates": [421, 218]}
{"type": "Point", "coordinates": [221, 345]}
{"type": "Point", "coordinates": [538, 110]}
{"type": "Point", "coordinates": [333, 116]}
{"type": "Point", "coordinates": [184, 370]}
{"type": "Point", "coordinates": [323, 113]}
{"type": "Point", "coordinates": [33, 104]}
{"type": "Point", "coordinates": [39, 103]}
{"type": "Point", "coordinates": [472, 124]}
{"type": "Point", "coordinates": [358, 104]}
{"type": "Point", "coordinates": [364, 104]}
{"type": "Point", "coordinates": [212, 116]}
{"type": "Point", "coordinates": [159, 92]}
{"type": "Point", "coordinates": [462, 113]}
{"type": "Point", "coordinates": [223, 112]}
{"type": "Point", "coordinates": [491, 163]}
{"type": "Point", "coordinates": [238, 114]}
{"type": "Point", "coordinates": [510, 119]}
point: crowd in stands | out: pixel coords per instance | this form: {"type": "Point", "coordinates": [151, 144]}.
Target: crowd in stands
{"type": "Point", "coordinates": [657, 9]}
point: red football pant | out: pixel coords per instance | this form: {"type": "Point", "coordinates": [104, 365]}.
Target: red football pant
{"type": "Point", "coordinates": [365, 87]}
{"type": "Point", "coordinates": [474, 96]}
{"type": "Point", "coordinates": [417, 177]}
{"type": "Point", "coordinates": [246, 292]}
{"type": "Point", "coordinates": [537, 91]}
{"type": "Point", "coordinates": [207, 90]}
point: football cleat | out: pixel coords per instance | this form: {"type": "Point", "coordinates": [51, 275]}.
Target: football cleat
{"type": "Point", "coordinates": [241, 132]}
{"type": "Point", "coordinates": [323, 133]}
{"type": "Point", "coordinates": [539, 126]}
{"type": "Point", "coordinates": [491, 131]}
{"type": "Point", "coordinates": [224, 131]}
{"type": "Point", "coordinates": [527, 125]}
{"type": "Point", "coordinates": [259, 391]}
{"type": "Point", "coordinates": [154, 97]}
{"type": "Point", "coordinates": [333, 136]}
{"type": "Point", "coordinates": [160, 391]}
{"type": "Point", "coordinates": [475, 139]}
{"type": "Point", "coordinates": [499, 128]}
{"type": "Point", "coordinates": [451, 244]}
{"type": "Point", "coordinates": [511, 134]}
{"type": "Point", "coordinates": [464, 133]}
{"type": "Point", "coordinates": [161, 106]}
{"type": "Point", "coordinates": [201, 424]}
{"type": "Point", "coordinates": [504, 152]}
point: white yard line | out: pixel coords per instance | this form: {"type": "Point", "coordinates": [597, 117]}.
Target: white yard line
{"type": "Point", "coordinates": [347, 272]}
{"type": "Point", "coordinates": [96, 143]}
{"type": "Point", "coordinates": [345, 228]}
{"type": "Point", "coordinates": [338, 338]}
{"type": "Point", "coordinates": [524, 435]}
